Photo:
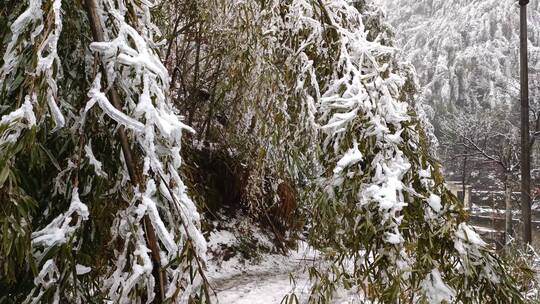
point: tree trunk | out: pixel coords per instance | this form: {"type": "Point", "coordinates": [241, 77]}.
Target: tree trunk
{"type": "Point", "coordinates": [463, 182]}
{"type": "Point", "coordinates": [508, 231]}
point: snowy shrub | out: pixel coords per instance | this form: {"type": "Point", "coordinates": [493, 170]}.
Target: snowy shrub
{"type": "Point", "coordinates": [90, 156]}
{"type": "Point", "coordinates": [382, 214]}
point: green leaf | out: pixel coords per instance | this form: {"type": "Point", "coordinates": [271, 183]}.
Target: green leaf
{"type": "Point", "coordinates": [51, 157]}
{"type": "Point", "coordinates": [4, 175]}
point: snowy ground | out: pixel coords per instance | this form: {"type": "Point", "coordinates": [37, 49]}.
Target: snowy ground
{"type": "Point", "coordinates": [266, 280]}
{"type": "Point", "coordinates": [266, 287]}
{"type": "Point", "coordinates": [270, 288]}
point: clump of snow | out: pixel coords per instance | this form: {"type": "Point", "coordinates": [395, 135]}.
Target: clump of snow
{"type": "Point", "coordinates": [81, 269]}
{"type": "Point", "coordinates": [59, 230]}
{"type": "Point", "coordinates": [465, 234]}
{"type": "Point", "coordinates": [96, 96]}
{"type": "Point", "coordinates": [434, 202]}
{"type": "Point", "coordinates": [350, 158]}
{"type": "Point", "coordinates": [149, 204]}
{"type": "Point", "coordinates": [29, 20]}
{"type": "Point", "coordinates": [47, 277]}
{"type": "Point", "coordinates": [435, 290]}
{"type": "Point", "coordinates": [218, 238]}
{"type": "Point", "coordinates": [93, 161]}
{"type": "Point", "coordinates": [17, 121]}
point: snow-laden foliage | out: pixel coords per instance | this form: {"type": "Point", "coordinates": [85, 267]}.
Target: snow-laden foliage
{"type": "Point", "coordinates": [313, 93]}
{"type": "Point", "coordinates": [466, 53]}
{"type": "Point", "coordinates": [95, 207]}
{"type": "Point", "coordinates": [383, 216]}
{"type": "Point", "coordinates": [324, 97]}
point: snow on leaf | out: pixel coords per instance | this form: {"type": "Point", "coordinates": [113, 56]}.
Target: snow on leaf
{"type": "Point", "coordinates": [435, 290]}
{"type": "Point", "coordinates": [93, 161]}
{"type": "Point", "coordinates": [350, 158]}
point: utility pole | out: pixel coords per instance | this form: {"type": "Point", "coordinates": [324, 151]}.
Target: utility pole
{"type": "Point", "coordinates": [525, 137]}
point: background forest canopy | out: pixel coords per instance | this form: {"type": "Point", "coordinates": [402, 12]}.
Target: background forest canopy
{"type": "Point", "coordinates": [130, 130]}
{"type": "Point", "coordinates": [467, 58]}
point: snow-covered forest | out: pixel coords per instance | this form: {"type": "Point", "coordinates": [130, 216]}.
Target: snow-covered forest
{"type": "Point", "coordinates": [266, 151]}
{"type": "Point", "coordinates": [466, 55]}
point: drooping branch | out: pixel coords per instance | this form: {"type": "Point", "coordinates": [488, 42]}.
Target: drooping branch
{"type": "Point", "coordinates": [150, 234]}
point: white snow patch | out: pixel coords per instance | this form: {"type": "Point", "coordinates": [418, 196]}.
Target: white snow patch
{"type": "Point", "coordinates": [81, 269]}
{"type": "Point", "coordinates": [93, 161]}
{"type": "Point", "coordinates": [435, 289]}
{"type": "Point", "coordinates": [350, 158]}
{"type": "Point", "coordinates": [434, 202]}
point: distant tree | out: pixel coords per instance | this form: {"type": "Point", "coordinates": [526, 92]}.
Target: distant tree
{"type": "Point", "coordinates": [488, 137]}
{"type": "Point", "coordinates": [466, 53]}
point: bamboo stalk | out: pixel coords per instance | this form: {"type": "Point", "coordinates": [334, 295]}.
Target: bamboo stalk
{"type": "Point", "coordinates": [97, 32]}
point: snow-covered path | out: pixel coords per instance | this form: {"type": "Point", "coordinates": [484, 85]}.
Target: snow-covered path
{"type": "Point", "coordinates": [258, 288]}
{"type": "Point", "coordinates": [269, 286]}
{"type": "Point", "coordinates": [266, 283]}
{"type": "Point", "coordinates": [266, 280]}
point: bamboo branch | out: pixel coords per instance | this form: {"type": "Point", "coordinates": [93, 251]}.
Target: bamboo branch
{"type": "Point", "coordinates": [151, 239]}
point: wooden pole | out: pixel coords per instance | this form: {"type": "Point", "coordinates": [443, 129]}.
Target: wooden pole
{"type": "Point", "coordinates": [525, 153]}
